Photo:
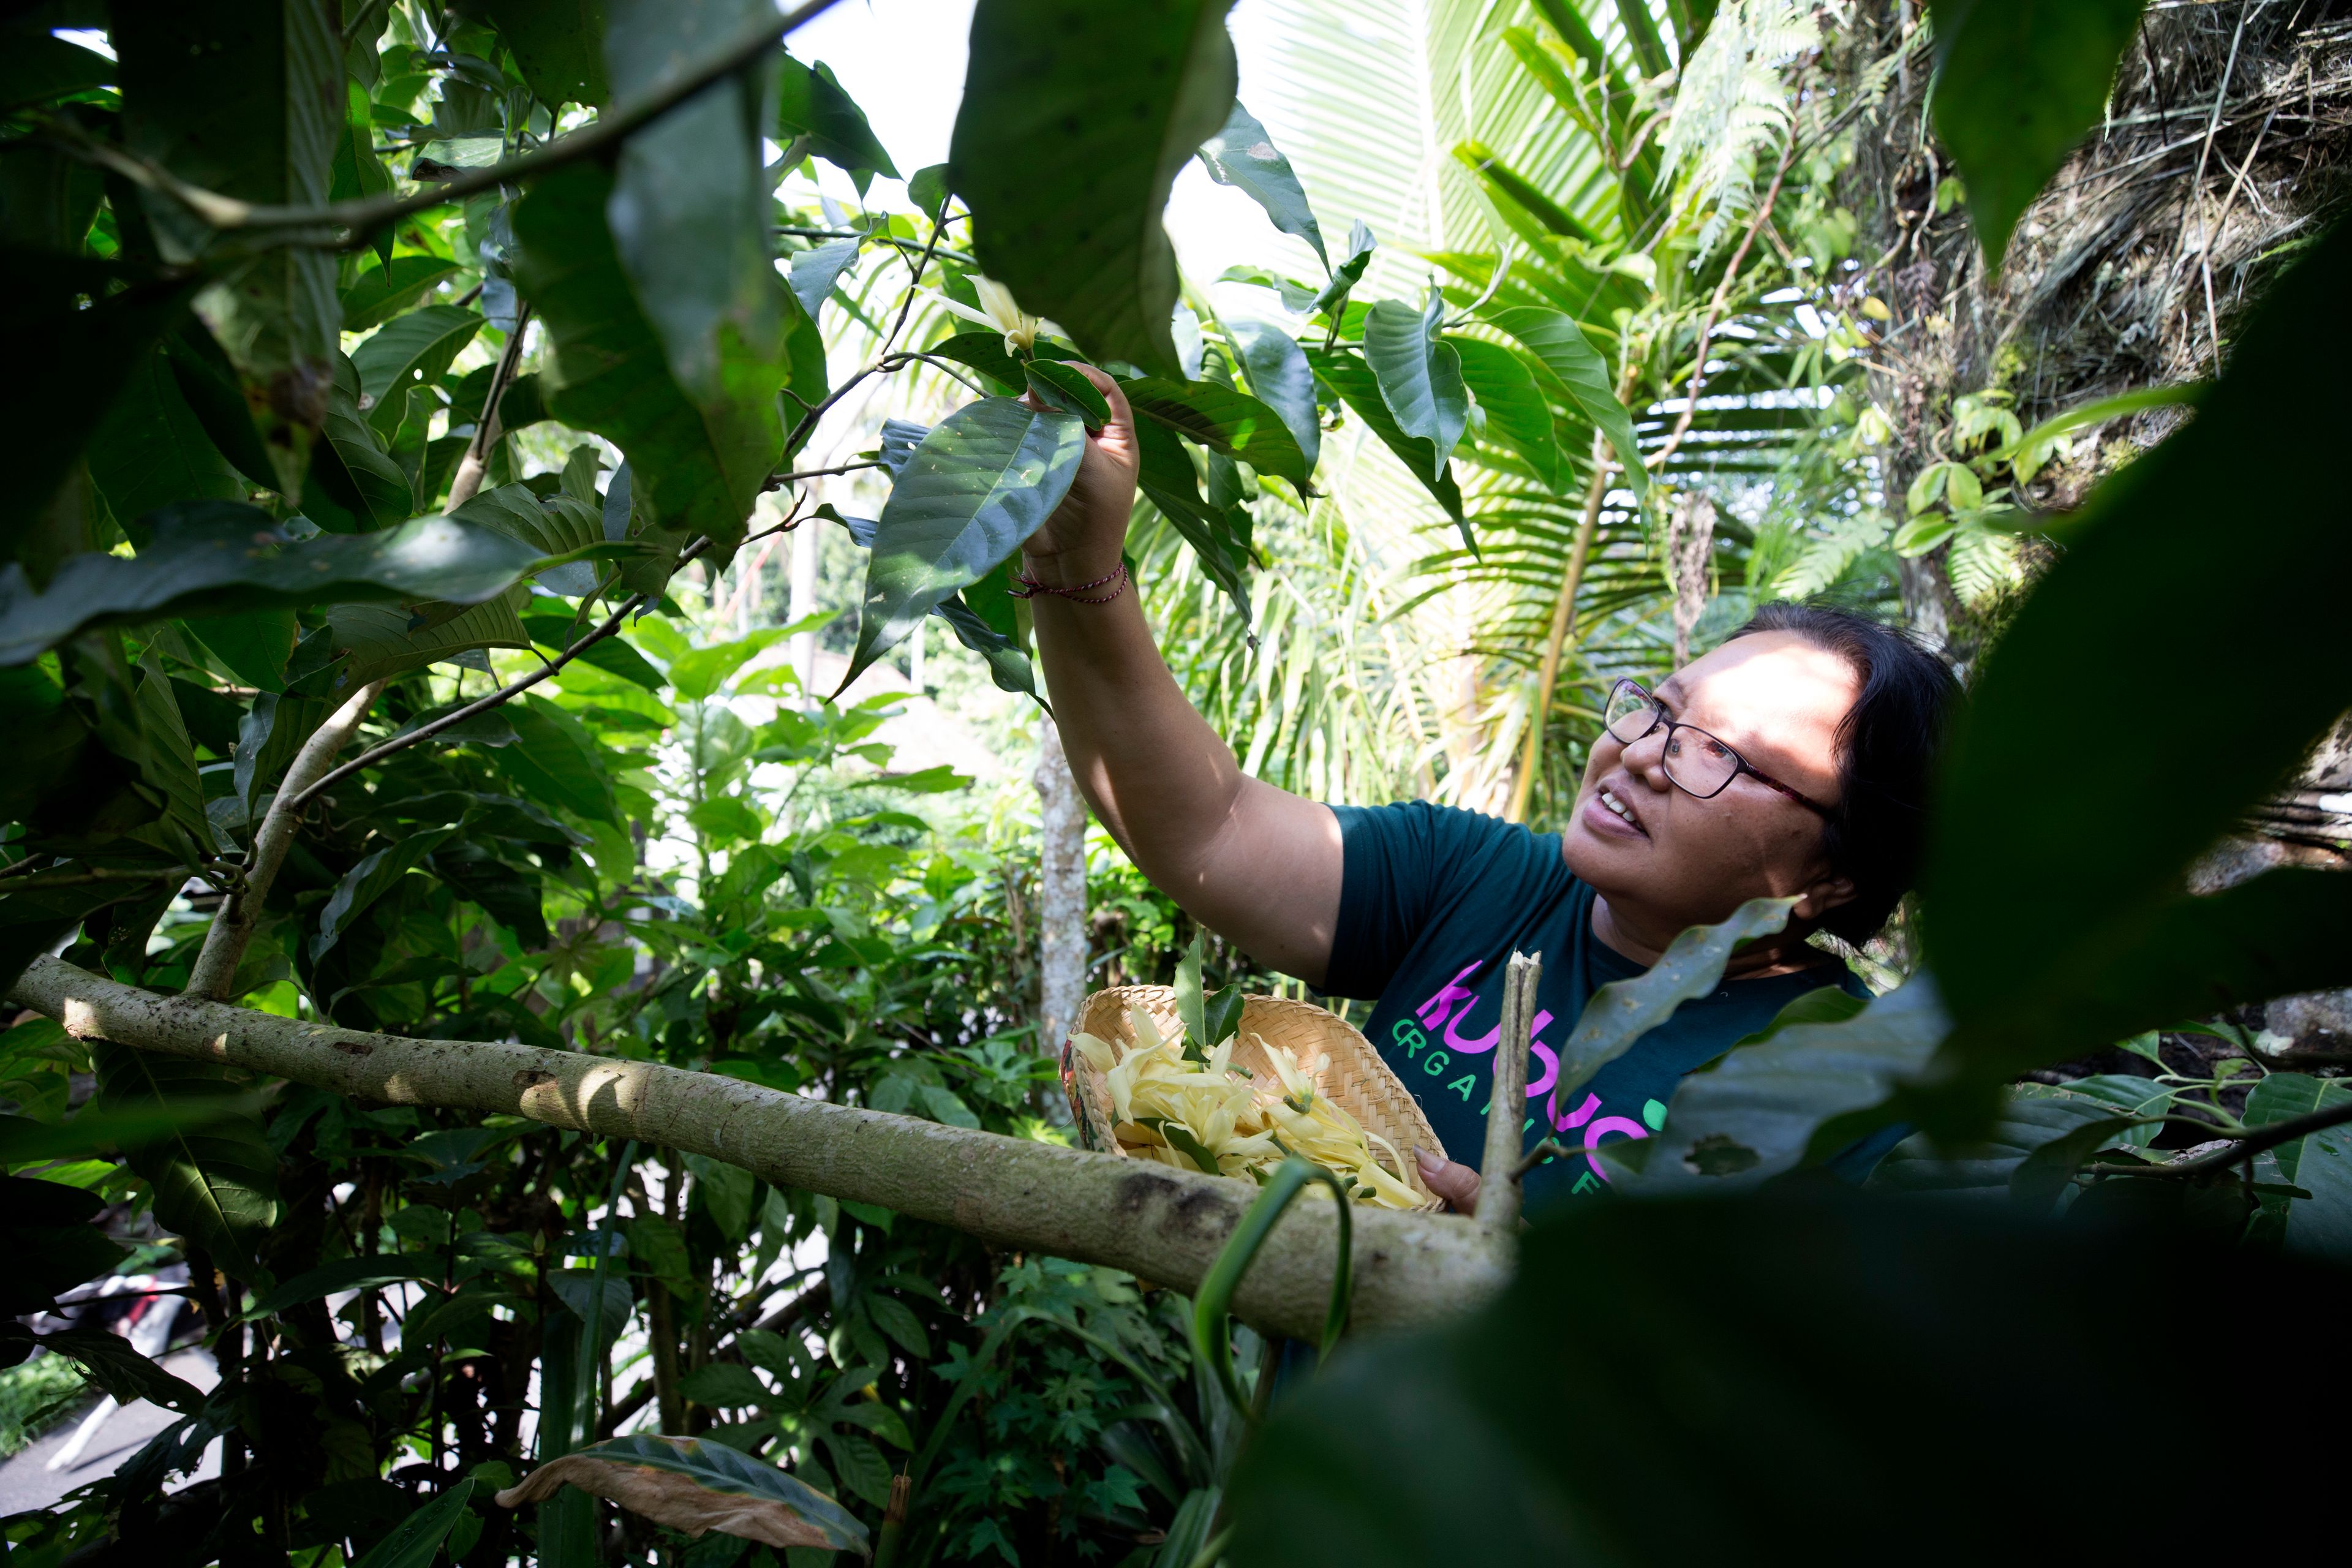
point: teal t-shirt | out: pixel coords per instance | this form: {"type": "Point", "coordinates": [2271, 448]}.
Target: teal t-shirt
{"type": "Point", "coordinates": [1432, 905]}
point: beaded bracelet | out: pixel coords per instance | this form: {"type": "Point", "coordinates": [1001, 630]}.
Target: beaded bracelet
{"type": "Point", "coordinates": [1029, 588]}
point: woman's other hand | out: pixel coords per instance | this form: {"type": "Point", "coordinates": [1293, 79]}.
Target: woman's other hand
{"type": "Point", "coordinates": [1082, 540]}
{"type": "Point", "coordinates": [1457, 1184]}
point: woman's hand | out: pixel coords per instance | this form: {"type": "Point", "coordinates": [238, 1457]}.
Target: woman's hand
{"type": "Point", "coordinates": [1082, 540]}
{"type": "Point", "coordinates": [1457, 1184]}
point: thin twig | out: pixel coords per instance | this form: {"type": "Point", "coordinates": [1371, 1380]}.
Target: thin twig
{"type": "Point", "coordinates": [881, 361]}
{"type": "Point", "coordinates": [503, 695]}
{"type": "Point", "coordinates": [2197, 184]}
{"type": "Point", "coordinates": [475, 463]}
{"type": "Point", "coordinates": [359, 219]}
{"type": "Point", "coordinates": [96, 874]}
{"type": "Point", "coordinates": [2239, 1148]}
{"type": "Point", "coordinates": [215, 970]}
{"type": "Point", "coordinates": [821, 473]}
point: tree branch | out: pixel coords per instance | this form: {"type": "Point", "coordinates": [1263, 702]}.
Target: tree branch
{"type": "Point", "coordinates": [475, 463]}
{"type": "Point", "coordinates": [1014, 1192]}
{"type": "Point", "coordinates": [232, 929]}
{"type": "Point", "coordinates": [359, 219]}
{"type": "Point", "coordinates": [2241, 1149]}
{"type": "Point", "coordinates": [1507, 1112]}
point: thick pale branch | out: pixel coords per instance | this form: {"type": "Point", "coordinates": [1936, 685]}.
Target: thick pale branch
{"type": "Point", "coordinates": [1164, 1224]}
{"type": "Point", "coordinates": [1498, 1194]}
{"type": "Point", "coordinates": [232, 929]}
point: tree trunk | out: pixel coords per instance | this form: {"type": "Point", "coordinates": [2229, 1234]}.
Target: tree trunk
{"type": "Point", "coordinates": [1061, 892]}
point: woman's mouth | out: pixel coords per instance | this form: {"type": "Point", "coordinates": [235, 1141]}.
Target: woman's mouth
{"type": "Point", "coordinates": [1610, 813]}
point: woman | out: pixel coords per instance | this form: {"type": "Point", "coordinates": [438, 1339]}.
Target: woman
{"type": "Point", "coordinates": [1791, 761]}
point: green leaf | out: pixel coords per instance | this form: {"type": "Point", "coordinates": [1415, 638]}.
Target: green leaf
{"type": "Point", "coordinates": [1420, 375]}
{"type": "Point", "coordinates": [209, 383]}
{"type": "Point", "coordinates": [1559, 344]}
{"type": "Point", "coordinates": [2107, 864]}
{"type": "Point", "coordinates": [983, 480]}
{"type": "Point", "coordinates": [39, 66]}
{"type": "Point", "coordinates": [1232, 424]}
{"type": "Point", "coordinates": [1622, 1011]}
{"type": "Point", "coordinates": [121, 1371]}
{"type": "Point", "coordinates": [417, 1539]}
{"type": "Point", "coordinates": [380, 293]}
{"type": "Point", "coordinates": [374, 876]}
{"type": "Point", "coordinates": [1516, 190]}
{"type": "Point", "coordinates": [1762, 1343]}
{"type": "Point", "coordinates": [1170, 483]}
{"type": "Point", "coordinates": [1283, 380]}
{"type": "Point", "coordinates": [810, 103]}
{"type": "Point", "coordinates": [860, 1466]}
{"type": "Point", "coordinates": [1796, 1099]}
{"type": "Point", "coordinates": [152, 449]}
{"type": "Point", "coordinates": [1347, 374]}
{"type": "Point", "coordinates": [356, 485]}
{"type": "Point", "coordinates": [406, 355]}
{"type": "Point", "coordinates": [1008, 665]}
{"type": "Point", "coordinates": [610, 655]}
{"type": "Point", "coordinates": [343, 1274]}
{"type": "Point", "coordinates": [816, 271]}
{"type": "Point", "coordinates": [223, 557]}
{"type": "Point", "coordinates": [1123, 96]}
{"type": "Point", "coordinates": [696, 456]}
{"type": "Point", "coordinates": [376, 641]}
{"type": "Point", "coordinates": [558, 46]}
{"type": "Point", "coordinates": [2036, 1145]}
{"type": "Point", "coordinates": [576, 1288]}
{"type": "Point", "coordinates": [985, 352]}
{"type": "Point", "coordinates": [726, 1192]}
{"type": "Point", "coordinates": [214, 1177]}
{"type": "Point", "coordinates": [2018, 83]}
{"type": "Point", "coordinates": [725, 1386]}
{"type": "Point", "coordinates": [52, 1258]}
{"type": "Point", "coordinates": [1517, 416]}
{"type": "Point", "coordinates": [1057, 384]}
{"type": "Point", "coordinates": [168, 765]}
{"type": "Point", "coordinates": [895, 1318]}
{"type": "Point", "coordinates": [1332, 301]}
{"type": "Point", "coordinates": [259, 121]}
{"type": "Point", "coordinates": [557, 762]}
{"type": "Point", "coordinates": [1243, 156]}
{"type": "Point", "coordinates": [725, 1480]}
{"type": "Point", "coordinates": [2319, 1162]}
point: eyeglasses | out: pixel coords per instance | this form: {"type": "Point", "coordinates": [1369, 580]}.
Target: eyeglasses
{"type": "Point", "coordinates": [1697, 763]}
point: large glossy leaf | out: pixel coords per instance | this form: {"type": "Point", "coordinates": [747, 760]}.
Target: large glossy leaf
{"type": "Point", "coordinates": [417, 1539]}
{"type": "Point", "coordinates": [1772, 1347]}
{"type": "Point", "coordinates": [1243, 156]}
{"type": "Point", "coordinates": [1169, 481]}
{"type": "Point", "coordinates": [257, 121]}
{"type": "Point", "coordinates": [559, 44]}
{"type": "Point", "coordinates": [1561, 347]}
{"type": "Point", "coordinates": [816, 271]}
{"type": "Point", "coordinates": [223, 557]}
{"type": "Point", "coordinates": [811, 103]}
{"type": "Point", "coordinates": [1008, 667]}
{"type": "Point", "coordinates": [1795, 1098]}
{"type": "Point", "coordinates": [983, 480]}
{"type": "Point", "coordinates": [407, 354]}
{"type": "Point", "coordinates": [2018, 83]}
{"type": "Point", "coordinates": [380, 293]}
{"type": "Point", "coordinates": [345, 1274]}
{"type": "Point", "coordinates": [42, 67]}
{"type": "Point", "coordinates": [121, 1371]}
{"type": "Point", "coordinates": [2319, 1162]}
{"type": "Point", "coordinates": [1622, 1012]}
{"type": "Point", "coordinates": [2106, 862]}
{"type": "Point", "coordinates": [557, 761]}
{"type": "Point", "coordinates": [354, 484]}
{"type": "Point", "coordinates": [1420, 374]}
{"type": "Point", "coordinates": [1227, 422]}
{"type": "Point", "coordinates": [213, 1174]}
{"type": "Point", "coordinates": [1283, 380]}
{"type": "Point", "coordinates": [1347, 374]}
{"type": "Point", "coordinates": [209, 382]}
{"type": "Point", "coordinates": [2018, 1157]}
{"type": "Point", "coordinates": [1075, 119]}
{"type": "Point", "coordinates": [374, 875]}
{"type": "Point", "coordinates": [89, 355]}
{"type": "Point", "coordinates": [377, 640]}
{"type": "Point", "coordinates": [152, 449]}
{"type": "Point", "coordinates": [1517, 416]}
{"type": "Point", "coordinates": [697, 462]}
{"type": "Point", "coordinates": [694, 1486]}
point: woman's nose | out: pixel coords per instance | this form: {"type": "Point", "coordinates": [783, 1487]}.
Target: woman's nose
{"type": "Point", "coordinates": [1647, 758]}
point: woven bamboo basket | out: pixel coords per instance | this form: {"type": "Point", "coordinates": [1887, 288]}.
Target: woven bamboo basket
{"type": "Point", "coordinates": [1351, 1075]}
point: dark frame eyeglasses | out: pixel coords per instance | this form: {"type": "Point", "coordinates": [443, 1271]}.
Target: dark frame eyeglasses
{"type": "Point", "coordinates": [1634, 690]}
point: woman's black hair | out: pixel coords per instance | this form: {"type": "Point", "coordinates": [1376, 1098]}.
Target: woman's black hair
{"type": "Point", "coordinates": [1887, 745]}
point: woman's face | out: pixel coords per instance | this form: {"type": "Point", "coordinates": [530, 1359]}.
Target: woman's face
{"type": "Point", "coordinates": [1665, 860]}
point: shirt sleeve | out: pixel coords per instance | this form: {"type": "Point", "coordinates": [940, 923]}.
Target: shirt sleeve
{"type": "Point", "coordinates": [1402, 865]}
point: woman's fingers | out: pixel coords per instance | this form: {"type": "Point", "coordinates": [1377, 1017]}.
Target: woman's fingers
{"type": "Point", "coordinates": [1457, 1184]}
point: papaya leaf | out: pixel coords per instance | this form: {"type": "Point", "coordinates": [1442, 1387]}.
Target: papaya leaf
{"type": "Point", "coordinates": [1124, 96]}
{"type": "Point", "coordinates": [983, 480]}
{"type": "Point", "coordinates": [213, 1174]}
{"type": "Point", "coordinates": [2018, 84]}
{"type": "Point", "coordinates": [1243, 156]}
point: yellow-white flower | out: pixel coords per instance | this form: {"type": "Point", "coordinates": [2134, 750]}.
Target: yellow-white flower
{"type": "Point", "coordinates": [997, 311]}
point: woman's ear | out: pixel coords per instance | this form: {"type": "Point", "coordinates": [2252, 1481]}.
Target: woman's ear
{"type": "Point", "coordinates": [1823, 896]}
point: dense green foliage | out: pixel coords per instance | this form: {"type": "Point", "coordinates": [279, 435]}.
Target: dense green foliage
{"type": "Point", "coordinates": [405, 347]}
